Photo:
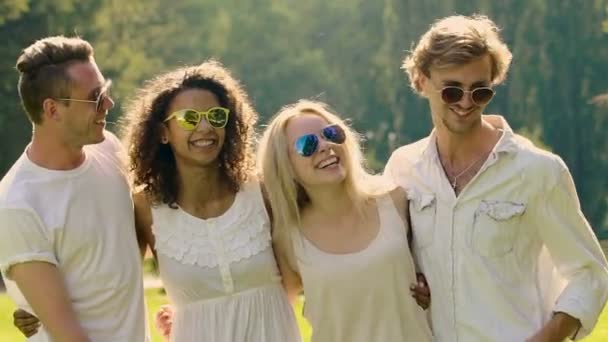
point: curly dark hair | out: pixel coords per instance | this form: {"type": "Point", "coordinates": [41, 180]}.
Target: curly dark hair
{"type": "Point", "coordinates": [152, 164]}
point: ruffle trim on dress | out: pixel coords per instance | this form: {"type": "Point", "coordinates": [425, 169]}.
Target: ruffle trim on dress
{"type": "Point", "coordinates": [206, 243]}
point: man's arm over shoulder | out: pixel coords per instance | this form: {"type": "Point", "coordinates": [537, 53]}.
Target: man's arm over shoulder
{"type": "Point", "coordinates": [573, 246]}
{"type": "Point", "coordinates": [27, 258]}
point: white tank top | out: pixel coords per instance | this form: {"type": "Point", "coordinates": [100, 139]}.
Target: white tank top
{"type": "Point", "coordinates": [363, 296]}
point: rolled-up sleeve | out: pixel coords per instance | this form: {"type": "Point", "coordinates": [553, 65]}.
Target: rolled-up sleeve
{"type": "Point", "coordinates": [23, 238]}
{"type": "Point", "coordinates": [574, 249]}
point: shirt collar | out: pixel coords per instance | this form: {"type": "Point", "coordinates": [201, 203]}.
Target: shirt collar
{"type": "Point", "coordinates": [507, 142]}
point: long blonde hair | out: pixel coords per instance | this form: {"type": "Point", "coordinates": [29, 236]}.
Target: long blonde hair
{"type": "Point", "coordinates": [287, 197]}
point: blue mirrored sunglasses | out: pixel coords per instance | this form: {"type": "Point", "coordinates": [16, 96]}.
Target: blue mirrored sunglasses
{"type": "Point", "coordinates": [307, 144]}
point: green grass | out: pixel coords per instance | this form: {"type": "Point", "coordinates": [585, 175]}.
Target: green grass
{"type": "Point", "coordinates": [7, 331]}
{"type": "Point", "coordinates": [155, 299]}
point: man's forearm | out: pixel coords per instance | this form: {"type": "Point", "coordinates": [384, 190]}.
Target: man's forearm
{"type": "Point", "coordinates": [560, 327]}
{"type": "Point", "coordinates": [43, 287]}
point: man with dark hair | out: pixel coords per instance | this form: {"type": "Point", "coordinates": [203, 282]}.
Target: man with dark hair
{"type": "Point", "coordinates": [67, 232]}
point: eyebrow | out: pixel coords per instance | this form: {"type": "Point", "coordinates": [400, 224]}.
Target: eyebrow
{"type": "Point", "coordinates": [473, 86]}
{"type": "Point", "coordinates": [94, 93]}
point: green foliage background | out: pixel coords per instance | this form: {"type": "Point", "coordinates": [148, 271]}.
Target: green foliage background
{"type": "Point", "coordinates": [347, 53]}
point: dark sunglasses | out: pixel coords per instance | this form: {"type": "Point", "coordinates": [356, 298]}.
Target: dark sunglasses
{"type": "Point", "coordinates": [480, 96]}
{"type": "Point", "coordinates": [188, 119]}
{"type": "Point", "coordinates": [308, 144]}
{"type": "Point", "coordinates": [104, 93]}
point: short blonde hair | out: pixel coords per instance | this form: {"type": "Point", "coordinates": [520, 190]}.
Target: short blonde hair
{"type": "Point", "coordinates": [458, 40]}
{"type": "Point", "coordinates": [286, 196]}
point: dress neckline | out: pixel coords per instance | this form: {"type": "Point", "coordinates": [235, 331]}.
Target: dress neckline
{"type": "Point", "coordinates": [236, 203]}
{"type": "Point", "coordinates": [369, 246]}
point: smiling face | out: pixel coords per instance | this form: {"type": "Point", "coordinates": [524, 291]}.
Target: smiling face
{"type": "Point", "coordinates": [326, 165]}
{"type": "Point", "coordinates": [81, 123]}
{"type": "Point", "coordinates": [463, 116]}
{"type": "Point", "coordinates": [201, 146]}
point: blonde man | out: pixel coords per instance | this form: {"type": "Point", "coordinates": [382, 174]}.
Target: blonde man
{"type": "Point", "coordinates": [498, 229]}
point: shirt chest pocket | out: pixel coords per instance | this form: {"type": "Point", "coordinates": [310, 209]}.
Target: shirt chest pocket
{"type": "Point", "coordinates": [423, 209]}
{"type": "Point", "coordinates": [495, 227]}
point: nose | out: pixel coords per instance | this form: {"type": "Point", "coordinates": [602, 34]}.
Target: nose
{"type": "Point", "coordinates": [467, 100]}
{"type": "Point", "coordinates": [323, 145]}
{"type": "Point", "coordinates": [109, 100]}
{"type": "Point", "coordinates": [204, 125]}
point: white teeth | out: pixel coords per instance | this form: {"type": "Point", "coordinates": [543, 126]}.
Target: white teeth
{"type": "Point", "coordinates": [100, 122]}
{"type": "Point", "coordinates": [202, 143]}
{"type": "Point", "coordinates": [460, 112]}
{"type": "Point", "coordinates": [327, 162]}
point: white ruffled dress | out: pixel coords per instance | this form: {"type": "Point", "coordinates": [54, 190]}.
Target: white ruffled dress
{"type": "Point", "coordinates": [221, 276]}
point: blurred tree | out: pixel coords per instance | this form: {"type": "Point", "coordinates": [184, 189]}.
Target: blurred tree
{"type": "Point", "coordinates": [347, 53]}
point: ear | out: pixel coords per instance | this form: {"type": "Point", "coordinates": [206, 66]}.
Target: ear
{"type": "Point", "coordinates": [164, 134]}
{"type": "Point", "coordinates": [49, 110]}
{"type": "Point", "coordinates": [422, 84]}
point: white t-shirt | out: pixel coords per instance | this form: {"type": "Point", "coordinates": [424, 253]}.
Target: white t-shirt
{"type": "Point", "coordinates": [80, 220]}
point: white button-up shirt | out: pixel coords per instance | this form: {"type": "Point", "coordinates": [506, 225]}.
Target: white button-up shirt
{"type": "Point", "coordinates": [510, 250]}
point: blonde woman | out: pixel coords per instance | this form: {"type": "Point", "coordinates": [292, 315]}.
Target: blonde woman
{"type": "Point", "coordinates": [337, 235]}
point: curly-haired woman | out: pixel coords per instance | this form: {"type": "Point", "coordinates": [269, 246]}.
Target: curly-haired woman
{"type": "Point", "coordinates": [190, 137]}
